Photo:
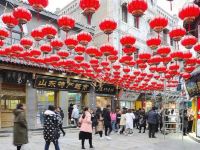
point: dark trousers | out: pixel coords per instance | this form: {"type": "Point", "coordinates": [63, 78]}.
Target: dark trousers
{"type": "Point", "coordinates": [190, 124]}
{"type": "Point", "coordinates": [19, 147]}
{"type": "Point", "coordinates": [140, 128]}
{"type": "Point", "coordinates": [100, 133]}
{"type": "Point", "coordinates": [83, 142]}
{"type": "Point", "coordinates": [55, 144]}
{"type": "Point", "coordinates": [107, 133]}
{"type": "Point", "coordinates": [152, 128]}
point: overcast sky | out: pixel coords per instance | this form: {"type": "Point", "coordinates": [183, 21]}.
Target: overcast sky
{"type": "Point", "coordinates": [177, 4]}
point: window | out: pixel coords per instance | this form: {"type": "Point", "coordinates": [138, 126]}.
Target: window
{"type": "Point", "coordinates": [124, 13]}
{"type": "Point", "coordinates": [136, 22]}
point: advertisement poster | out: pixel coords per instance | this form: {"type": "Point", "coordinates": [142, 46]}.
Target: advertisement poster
{"type": "Point", "coordinates": [198, 118]}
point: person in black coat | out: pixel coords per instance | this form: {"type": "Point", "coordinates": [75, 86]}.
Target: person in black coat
{"type": "Point", "coordinates": [152, 121]}
{"type": "Point", "coordinates": [107, 121]}
{"type": "Point", "coordinates": [142, 120]}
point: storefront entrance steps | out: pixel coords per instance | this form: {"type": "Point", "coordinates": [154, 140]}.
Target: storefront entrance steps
{"type": "Point", "coordinates": [193, 136]}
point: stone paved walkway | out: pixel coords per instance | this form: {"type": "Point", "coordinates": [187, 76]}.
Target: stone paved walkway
{"type": "Point", "coordinates": [118, 142]}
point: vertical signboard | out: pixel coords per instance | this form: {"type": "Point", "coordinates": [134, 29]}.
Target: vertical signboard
{"type": "Point", "coordinates": [198, 117]}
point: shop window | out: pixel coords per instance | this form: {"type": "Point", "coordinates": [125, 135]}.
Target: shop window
{"type": "Point", "coordinates": [124, 13]}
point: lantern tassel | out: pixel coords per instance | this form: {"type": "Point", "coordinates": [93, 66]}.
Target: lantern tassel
{"type": "Point", "coordinates": [89, 17]}
{"type": "Point", "coordinates": [108, 38]}
{"type": "Point", "coordinates": [137, 22]}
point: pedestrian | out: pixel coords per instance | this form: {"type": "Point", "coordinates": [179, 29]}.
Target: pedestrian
{"type": "Point", "coordinates": [122, 122]}
{"type": "Point", "coordinates": [142, 121]}
{"type": "Point", "coordinates": [190, 119]}
{"type": "Point", "coordinates": [85, 128]}
{"type": "Point", "coordinates": [20, 131]}
{"type": "Point", "coordinates": [129, 122]}
{"type": "Point", "coordinates": [107, 122]}
{"type": "Point", "coordinates": [75, 115]}
{"type": "Point", "coordinates": [113, 116]}
{"type": "Point", "coordinates": [185, 122]}
{"type": "Point", "coordinates": [70, 109]}
{"type": "Point", "coordinates": [118, 119]}
{"type": "Point", "coordinates": [136, 120]}
{"type": "Point", "coordinates": [99, 127]}
{"type": "Point", "coordinates": [60, 114]}
{"type": "Point", "coordinates": [152, 121]}
{"type": "Point", "coordinates": [51, 127]}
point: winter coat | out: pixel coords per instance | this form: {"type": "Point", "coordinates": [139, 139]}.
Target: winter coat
{"type": "Point", "coordinates": [122, 120]}
{"type": "Point", "coordinates": [100, 123]}
{"type": "Point", "coordinates": [107, 118]}
{"type": "Point", "coordinates": [152, 117]}
{"type": "Point", "coordinates": [142, 119]}
{"type": "Point", "coordinates": [75, 112]}
{"type": "Point", "coordinates": [20, 134]}
{"type": "Point", "coordinates": [86, 123]}
{"type": "Point", "coordinates": [129, 120]}
{"type": "Point", "coordinates": [52, 122]}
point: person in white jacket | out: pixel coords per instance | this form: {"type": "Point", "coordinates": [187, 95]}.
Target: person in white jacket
{"type": "Point", "coordinates": [129, 122]}
{"type": "Point", "coordinates": [75, 115]}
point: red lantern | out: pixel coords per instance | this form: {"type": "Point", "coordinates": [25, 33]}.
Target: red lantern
{"type": "Point", "coordinates": [174, 67]}
{"type": "Point", "coordinates": [94, 62]}
{"type": "Point", "coordinates": [98, 55]}
{"type": "Point", "coordinates": [71, 42]}
{"type": "Point", "coordinates": [105, 63]}
{"type": "Point", "coordinates": [197, 47]}
{"type": "Point", "coordinates": [16, 48]}
{"type": "Point", "coordinates": [108, 26]}
{"type": "Point", "coordinates": [158, 23]}
{"type": "Point", "coordinates": [191, 61]}
{"type": "Point", "coordinates": [142, 66]}
{"type": "Point", "coordinates": [89, 7]}
{"type": "Point", "coordinates": [186, 75]}
{"type": "Point", "coordinates": [91, 51]}
{"type": "Point", "coordinates": [177, 55]}
{"type": "Point", "coordinates": [145, 56]}
{"type": "Point", "coordinates": [46, 48]}
{"type": "Point", "coordinates": [166, 60]}
{"type": "Point", "coordinates": [107, 49]}
{"type": "Point", "coordinates": [63, 54]}
{"type": "Point", "coordinates": [187, 55]}
{"type": "Point", "coordinates": [152, 69]}
{"type": "Point", "coordinates": [189, 69]}
{"type": "Point", "coordinates": [54, 58]}
{"type": "Point", "coordinates": [26, 42]}
{"type": "Point", "coordinates": [129, 51]}
{"type": "Point", "coordinates": [49, 31]}
{"type": "Point", "coordinates": [35, 53]}
{"type": "Point", "coordinates": [37, 34]}
{"type": "Point", "coordinates": [116, 67]}
{"type": "Point", "coordinates": [153, 42]}
{"type": "Point", "coordinates": [57, 44]}
{"type": "Point", "coordinates": [84, 38]}
{"type": "Point", "coordinates": [66, 23]}
{"type": "Point", "coordinates": [79, 58]}
{"type": "Point", "coordinates": [188, 13]}
{"type": "Point", "coordinates": [188, 41]}
{"type": "Point", "coordinates": [177, 33]}
{"type": "Point", "coordinates": [163, 51]}
{"type": "Point", "coordinates": [22, 14]}
{"type": "Point", "coordinates": [137, 8]}
{"type": "Point", "coordinates": [79, 49]}
{"type": "Point", "coordinates": [113, 58]}
{"type": "Point", "coordinates": [127, 41]}
{"type": "Point", "coordinates": [126, 59]}
{"type": "Point", "coordinates": [155, 60]}
{"type": "Point", "coordinates": [38, 5]}
{"type": "Point", "coordinates": [3, 34]}
{"type": "Point", "coordinates": [126, 70]}
{"type": "Point", "coordinates": [9, 20]}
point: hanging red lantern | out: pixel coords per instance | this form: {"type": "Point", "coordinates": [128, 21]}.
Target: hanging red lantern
{"type": "Point", "coordinates": [116, 67]}
{"type": "Point", "coordinates": [37, 34]}
{"type": "Point", "coordinates": [177, 55]}
{"type": "Point", "coordinates": [127, 41]}
{"type": "Point", "coordinates": [94, 62]}
{"type": "Point", "coordinates": [112, 58]}
{"type": "Point", "coordinates": [187, 55]}
{"type": "Point", "coordinates": [4, 34]}
{"type": "Point", "coordinates": [126, 59]}
{"type": "Point", "coordinates": [35, 53]}
{"type": "Point", "coordinates": [71, 42]}
{"type": "Point", "coordinates": [137, 8]}
{"type": "Point", "coordinates": [26, 42]}
{"type": "Point", "coordinates": [166, 60]}
{"type": "Point", "coordinates": [92, 51]}
{"type": "Point", "coordinates": [1, 43]}
{"type": "Point", "coordinates": [188, 13]}
{"type": "Point", "coordinates": [79, 58]}
{"type": "Point", "coordinates": [126, 70]}
{"type": "Point", "coordinates": [131, 63]}
{"type": "Point", "coordinates": [16, 48]}
{"type": "Point", "coordinates": [53, 58]}
{"type": "Point", "coordinates": [46, 48]}
{"type": "Point", "coordinates": [49, 31]}
{"type": "Point", "coordinates": [108, 26]}
{"type": "Point", "coordinates": [22, 14]}
{"type": "Point", "coordinates": [107, 49]}
{"type": "Point", "coordinates": [130, 50]}
{"type": "Point", "coordinates": [191, 62]}
{"type": "Point", "coordinates": [84, 38]}
{"type": "Point", "coordinates": [105, 63]}
{"type": "Point", "coordinates": [89, 7]}
{"type": "Point", "coordinates": [79, 49]}
{"type": "Point", "coordinates": [38, 5]}
{"type": "Point", "coordinates": [57, 44]}
{"type": "Point", "coordinates": [189, 69]}
{"type": "Point", "coordinates": [98, 55]}
{"type": "Point", "coordinates": [9, 20]}
{"type": "Point", "coordinates": [174, 67]}
{"type": "Point", "coordinates": [63, 54]}
{"type": "Point", "coordinates": [66, 23]}
{"type": "Point", "coordinates": [186, 75]}
{"type": "Point", "coordinates": [153, 42]}
{"type": "Point", "coordinates": [189, 41]}
{"type": "Point", "coordinates": [142, 66]}
{"type": "Point", "coordinates": [161, 69]}
{"type": "Point", "coordinates": [155, 60]}
{"type": "Point", "coordinates": [158, 23]}
{"type": "Point", "coordinates": [144, 56]}
{"type": "Point", "coordinates": [163, 51]}
{"type": "Point", "coordinates": [177, 33]}
{"type": "Point", "coordinates": [152, 69]}
{"type": "Point", "coordinates": [196, 47]}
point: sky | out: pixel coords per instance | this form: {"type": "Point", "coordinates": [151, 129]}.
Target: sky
{"type": "Point", "coordinates": [177, 4]}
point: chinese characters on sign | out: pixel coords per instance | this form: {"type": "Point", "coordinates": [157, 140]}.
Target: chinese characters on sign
{"type": "Point", "coordinates": [56, 83]}
{"type": "Point", "coordinates": [105, 89]}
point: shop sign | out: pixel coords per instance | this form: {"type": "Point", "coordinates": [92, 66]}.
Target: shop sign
{"type": "Point", "coordinates": [58, 83]}
{"type": "Point", "coordinates": [129, 96]}
{"type": "Point", "coordinates": [105, 89]}
{"type": "Point", "coordinates": [198, 117]}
